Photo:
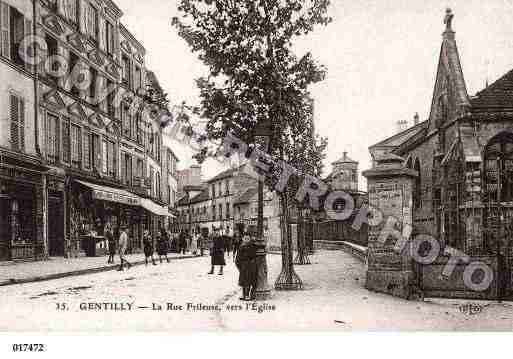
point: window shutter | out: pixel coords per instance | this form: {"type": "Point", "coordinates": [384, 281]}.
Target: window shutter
{"type": "Point", "coordinates": [86, 149]}
{"type": "Point", "coordinates": [123, 169]}
{"type": "Point", "coordinates": [28, 31]}
{"type": "Point", "coordinates": [4, 30]}
{"type": "Point", "coordinates": [22, 124]}
{"type": "Point", "coordinates": [14, 122]}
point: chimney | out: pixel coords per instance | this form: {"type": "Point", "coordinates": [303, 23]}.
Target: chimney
{"type": "Point", "coordinates": [402, 125]}
{"type": "Point", "coordinates": [416, 119]}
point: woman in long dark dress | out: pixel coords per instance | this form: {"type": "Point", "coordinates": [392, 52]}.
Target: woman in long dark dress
{"type": "Point", "coordinates": [162, 245]}
{"type": "Point", "coordinates": [217, 253]}
{"type": "Point", "coordinates": [246, 263]}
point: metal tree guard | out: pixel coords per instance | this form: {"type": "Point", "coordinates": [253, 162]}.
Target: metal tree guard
{"type": "Point", "coordinates": [288, 279]}
{"type": "Point", "coordinates": [302, 252]}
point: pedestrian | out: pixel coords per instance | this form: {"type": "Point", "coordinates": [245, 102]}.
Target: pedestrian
{"type": "Point", "coordinates": [183, 242]}
{"type": "Point", "coordinates": [228, 240]}
{"type": "Point", "coordinates": [111, 243]}
{"type": "Point", "coordinates": [123, 245]}
{"type": "Point", "coordinates": [236, 244]}
{"type": "Point", "coordinates": [247, 266]}
{"type": "Point", "coordinates": [217, 253]}
{"type": "Point", "coordinates": [194, 242]}
{"type": "Point", "coordinates": [148, 248]}
{"type": "Point", "coordinates": [201, 243]}
{"type": "Point", "coordinates": [162, 245]}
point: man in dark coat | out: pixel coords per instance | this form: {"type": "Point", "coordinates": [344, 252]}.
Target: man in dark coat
{"type": "Point", "coordinates": [162, 245]}
{"type": "Point", "coordinates": [112, 244]}
{"type": "Point", "coordinates": [246, 263]}
{"type": "Point", "coordinates": [217, 253]}
{"type": "Point", "coordinates": [148, 247]}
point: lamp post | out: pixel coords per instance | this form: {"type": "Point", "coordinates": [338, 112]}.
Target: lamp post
{"type": "Point", "coordinates": [262, 135]}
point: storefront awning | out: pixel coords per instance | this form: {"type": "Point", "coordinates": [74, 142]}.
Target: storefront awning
{"type": "Point", "coordinates": [154, 208]}
{"type": "Point", "coordinates": [105, 193]}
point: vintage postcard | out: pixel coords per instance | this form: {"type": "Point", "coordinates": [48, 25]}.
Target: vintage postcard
{"type": "Point", "coordinates": [255, 165]}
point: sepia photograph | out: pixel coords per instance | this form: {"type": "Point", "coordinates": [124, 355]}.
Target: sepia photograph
{"type": "Point", "coordinates": [229, 166]}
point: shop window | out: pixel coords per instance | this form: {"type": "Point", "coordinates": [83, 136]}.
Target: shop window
{"type": "Point", "coordinates": [17, 115]}
{"type": "Point", "coordinates": [52, 138]}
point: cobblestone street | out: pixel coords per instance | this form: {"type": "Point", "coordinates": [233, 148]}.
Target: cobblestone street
{"type": "Point", "coordinates": [333, 299]}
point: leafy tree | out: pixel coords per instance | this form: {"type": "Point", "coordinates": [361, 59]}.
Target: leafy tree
{"type": "Point", "coordinates": [254, 75]}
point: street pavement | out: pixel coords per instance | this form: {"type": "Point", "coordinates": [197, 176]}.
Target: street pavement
{"type": "Point", "coordinates": [334, 298]}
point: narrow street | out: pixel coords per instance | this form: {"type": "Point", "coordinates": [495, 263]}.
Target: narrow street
{"type": "Point", "coordinates": [333, 299]}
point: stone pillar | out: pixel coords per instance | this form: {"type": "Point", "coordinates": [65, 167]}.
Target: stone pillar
{"type": "Point", "coordinates": [390, 187]}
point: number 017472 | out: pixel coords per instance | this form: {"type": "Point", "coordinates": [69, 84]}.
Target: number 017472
{"type": "Point", "coordinates": [28, 348]}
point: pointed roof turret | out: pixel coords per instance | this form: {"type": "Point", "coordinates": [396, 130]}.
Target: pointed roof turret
{"type": "Point", "coordinates": [450, 89]}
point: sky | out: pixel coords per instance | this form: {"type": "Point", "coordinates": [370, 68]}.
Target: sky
{"type": "Point", "coordinates": [381, 58]}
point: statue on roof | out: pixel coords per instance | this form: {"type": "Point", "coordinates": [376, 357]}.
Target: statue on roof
{"type": "Point", "coordinates": [448, 19]}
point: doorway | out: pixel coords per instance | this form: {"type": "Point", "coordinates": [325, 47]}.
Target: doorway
{"type": "Point", "coordinates": [55, 226]}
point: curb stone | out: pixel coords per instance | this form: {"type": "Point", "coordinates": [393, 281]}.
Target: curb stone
{"type": "Point", "coordinates": [48, 277]}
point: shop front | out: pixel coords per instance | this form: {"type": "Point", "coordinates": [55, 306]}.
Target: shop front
{"type": "Point", "coordinates": [21, 212]}
{"type": "Point", "coordinates": [93, 206]}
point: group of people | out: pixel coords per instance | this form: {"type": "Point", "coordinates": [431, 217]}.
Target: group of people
{"type": "Point", "coordinates": [244, 255]}
{"type": "Point", "coordinates": [242, 245]}
{"type": "Point", "coordinates": [121, 246]}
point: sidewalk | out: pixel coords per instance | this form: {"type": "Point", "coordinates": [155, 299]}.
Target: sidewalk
{"type": "Point", "coordinates": [17, 273]}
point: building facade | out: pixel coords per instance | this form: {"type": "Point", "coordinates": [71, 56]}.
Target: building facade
{"type": "Point", "coordinates": [84, 107]}
{"type": "Point", "coordinates": [450, 178]}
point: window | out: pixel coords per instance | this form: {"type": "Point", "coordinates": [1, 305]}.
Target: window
{"type": "Point", "coordinates": [74, 61]}
{"type": "Point", "coordinates": [227, 187]}
{"type": "Point", "coordinates": [139, 129]}
{"type": "Point", "coordinates": [95, 151]}
{"type": "Point", "coordinates": [109, 158]}
{"type": "Point", "coordinates": [75, 146]}
{"type": "Point", "coordinates": [66, 153]}
{"type": "Point", "coordinates": [227, 211]}
{"type": "Point", "coordinates": [104, 154]}
{"type": "Point", "coordinates": [152, 187]}
{"type": "Point", "coordinates": [126, 121]}
{"type": "Point", "coordinates": [139, 170]}
{"type": "Point", "coordinates": [91, 22]}
{"type": "Point", "coordinates": [213, 191]}
{"type": "Point", "coordinates": [17, 114]}
{"type": "Point", "coordinates": [220, 211]}
{"type": "Point", "coordinates": [137, 78]}
{"type": "Point", "coordinates": [109, 38]}
{"type": "Point", "coordinates": [86, 150]}
{"type": "Point", "coordinates": [499, 168]}
{"type": "Point", "coordinates": [13, 27]}
{"type": "Point", "coordinates": [53, 50]}
{"type": "Point", "coordinates": [214, 212]}
{"type": "Point", "coordinates": [417, 195]}
{"type": "Point", "coordinates": [126, 169]}
{"type": "Point", "coordinates": [169, 194]}
{"type": "Point", "coordinates": [52, 138]}
{"type": "Point", "coordinates": [157, 186]}
{"type": "Point", "coordinates": [71, 10]}
{"type": "Point", "coordinates": [111, 110]}
{"type": "Point", "coordinates": [93, 76]}
{"type": "Point", "coordinates": [126, 70]}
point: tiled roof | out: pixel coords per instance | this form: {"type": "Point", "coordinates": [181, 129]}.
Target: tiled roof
{"type": "Point", "coordinates": [225, 174]}
{"type": "Point", "coordinates": [401, 137]}
{"type": "Point", "coordinates": [246, 196]}
{"type": "Point", "coordinates": [202, 197]}
{"type": "Point", "coordinates": [498, 94]}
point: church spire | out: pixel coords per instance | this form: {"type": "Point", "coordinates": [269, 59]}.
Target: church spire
{"type": "Point", "coordinates": [449, 16]}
